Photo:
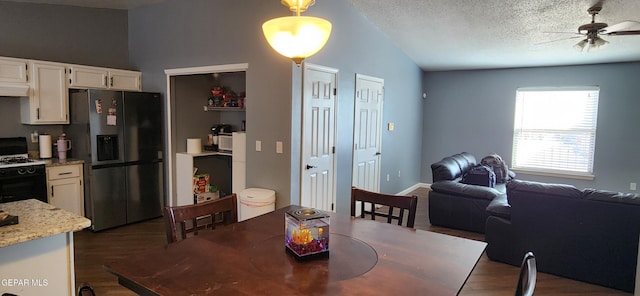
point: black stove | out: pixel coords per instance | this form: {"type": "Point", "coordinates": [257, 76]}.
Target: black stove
{"type": "Point", "coordinates": [16, 161]}
{"type": "Point", "coordinates": [20, 176]}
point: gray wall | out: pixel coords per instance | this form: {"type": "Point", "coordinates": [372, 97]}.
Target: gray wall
{"type": "Point", "coordinates": [178, 34]}
{"type": "Point", "coordinates": [87, 36]}
{"type": "Point", "coordinates": [473, 111]}
{"type": "Point", "coordinates": [355, 46]}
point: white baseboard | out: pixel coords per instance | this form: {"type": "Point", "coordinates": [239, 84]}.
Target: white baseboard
{"type": "Point", "coordinates": [414, 187]}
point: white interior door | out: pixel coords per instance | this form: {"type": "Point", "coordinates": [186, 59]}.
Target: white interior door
{"type": "Point", "coordinates": [318, 137]}
{"type": "Point", "coordinates": [367, 132]}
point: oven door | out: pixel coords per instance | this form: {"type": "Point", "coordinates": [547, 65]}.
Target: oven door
{"type": "Point", "coordinates": [21, 187]}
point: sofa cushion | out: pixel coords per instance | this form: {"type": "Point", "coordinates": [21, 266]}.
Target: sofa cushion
{"type": "Point", "coordinates": [465, 160]}
{"type": "Point", "coordinates": [544, 188]}
{"type": "Point", "coordinates": [452, 167]}
{"type": "Point", "coordinates": [474, 191]}
{"type": "Point", "coordinates": [446, 169]}
{"type": "Point", "coordinates": [610, 196]}
{"type": "Point", "coordinates": [500, 207]}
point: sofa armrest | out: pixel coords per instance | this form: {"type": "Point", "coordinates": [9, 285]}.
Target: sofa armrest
{"type": "Point", "coordinates": [501, 241]}
{"type": "Point", "coordinates": [500, 207]}
{"type": "Point", "coordinates": [474, 191]}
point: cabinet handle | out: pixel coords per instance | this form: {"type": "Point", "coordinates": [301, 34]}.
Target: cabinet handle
{"type": "Point", "coordinates": [65, 173]}
{"type": "Point", "coordinates": [37, 113]}
{"type": "Point", "coordinates": [111, 82]}
{"type": "Point", "coordinates": [52, 191]}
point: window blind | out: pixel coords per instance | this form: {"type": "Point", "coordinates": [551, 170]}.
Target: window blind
{"type": "Point", "coordinates": [555, 130]}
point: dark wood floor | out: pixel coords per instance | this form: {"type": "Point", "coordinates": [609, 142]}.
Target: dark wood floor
{"type": "Point", "coordinates": [488, 278]}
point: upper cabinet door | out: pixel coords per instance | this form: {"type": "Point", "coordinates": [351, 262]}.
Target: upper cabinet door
{"type": "Point", "coordinates": [124, 80]}
{"type": "Point", "coordinates": [13, 70]}
{"type": "Point", "coordinates": [88, 77]}
{"type": "Point", "coordinates": [49, 100]}
{"type": "Point", "coordinates": [103, 78]}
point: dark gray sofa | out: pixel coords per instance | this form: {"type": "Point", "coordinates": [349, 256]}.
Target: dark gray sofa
{"type": "Point", "coordinates": [457, 205]}
{"type": "Point", "coordinates": [587, 235]}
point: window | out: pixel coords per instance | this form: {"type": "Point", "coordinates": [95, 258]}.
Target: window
{"type": "Point", "coordinates": [555, 130]}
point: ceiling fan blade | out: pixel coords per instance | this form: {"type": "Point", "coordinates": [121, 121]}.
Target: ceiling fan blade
{"type": "Point", "coordinates": [623, 28]}
{"type": "Point", "coordinates": [572, 33]}
{"type": "Point", "coordinates": [561, 39]}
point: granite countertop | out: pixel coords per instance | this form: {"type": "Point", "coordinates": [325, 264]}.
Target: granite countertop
{"type": "Point", "coordinates": [57, 162]}
{"type": "Point", "coordinates": [37, 220]}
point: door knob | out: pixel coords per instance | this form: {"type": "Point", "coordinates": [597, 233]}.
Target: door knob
{"type": "Point", "coordinates": [378, 153]}
{"type": "Point", "coordinates": [308, 167]}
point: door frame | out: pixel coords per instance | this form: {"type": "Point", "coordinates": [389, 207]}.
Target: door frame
{"type": "Point", "coordinates": [306, 66]}
{"type": "Point", "coordinates": [170, 177]}
{"type": "Point", "coordinates": [380, 124]}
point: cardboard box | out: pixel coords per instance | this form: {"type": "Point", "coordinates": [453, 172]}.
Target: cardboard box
{"type": "Point", "coordinates": [201, 183]}
{"type": "Point", "coordinates": [204, 197]}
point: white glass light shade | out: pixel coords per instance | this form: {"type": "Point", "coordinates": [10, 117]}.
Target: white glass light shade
{"type": "Point", "coordinates": [297, 37]}
{"type": "Point", "coordinates": [580, 45]}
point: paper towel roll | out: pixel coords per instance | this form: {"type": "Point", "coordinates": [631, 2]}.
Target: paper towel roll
{"type": "Point", "coordinates": [194, 146]}
{"type": "Point", "coordinates": [45, 146]}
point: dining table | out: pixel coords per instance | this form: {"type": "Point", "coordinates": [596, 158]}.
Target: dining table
{"type": "Point", "coordinates": [365, 257]}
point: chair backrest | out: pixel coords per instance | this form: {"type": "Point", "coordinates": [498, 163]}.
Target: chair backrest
{"type": "Point", "coordinates": [527, 280]}
{"type": "Point", "coordinates": [401, 202]}
{"type": "Point", "coordinates": [193, 218]}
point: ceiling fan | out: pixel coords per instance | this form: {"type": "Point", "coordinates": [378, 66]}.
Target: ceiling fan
{"type": "Point", "coordinates": [592, 31]}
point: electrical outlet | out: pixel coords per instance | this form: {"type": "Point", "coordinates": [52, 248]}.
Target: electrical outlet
{"type": "Point", "coordinates": [632, 186]}
{"type": "Point", "coordinates": [398, 173]}
{"type": "Point", "coordinates": [34, 137]}
{"type": "Point", "coordinates": [387, 177]}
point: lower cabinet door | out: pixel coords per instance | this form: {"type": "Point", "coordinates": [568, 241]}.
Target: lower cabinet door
{"type": "Point", "coordinates": [65, 194]}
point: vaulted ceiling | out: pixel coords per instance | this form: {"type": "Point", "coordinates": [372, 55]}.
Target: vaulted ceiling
{"type": "Point", "coordinates": [472, 34]}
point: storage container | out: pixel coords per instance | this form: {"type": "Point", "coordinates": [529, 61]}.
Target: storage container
{"type": "Point", "coordinates": [255, 202]}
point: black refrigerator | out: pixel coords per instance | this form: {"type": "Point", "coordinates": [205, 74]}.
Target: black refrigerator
{"type": "Point", "coordinates": [119, 135]}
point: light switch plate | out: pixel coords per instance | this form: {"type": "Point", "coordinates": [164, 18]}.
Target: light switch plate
{"type": "Point", "coordinates": [258, 145]}
{"type": "Point", "coordinates": [279, 147]}
{"type": "Point", "coordinates": [390, 126]}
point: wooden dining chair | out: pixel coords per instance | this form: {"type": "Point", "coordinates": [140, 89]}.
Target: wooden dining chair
{"type": "Point", "coordinates": [527, 280]}
{"type": "Point", "coordinates": [402, 202]}
{"type": "Point", "coordinates": [196, 217]}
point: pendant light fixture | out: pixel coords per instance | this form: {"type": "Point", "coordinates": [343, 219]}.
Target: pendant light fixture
{"type": "Point", "coordinates": [297, 37]}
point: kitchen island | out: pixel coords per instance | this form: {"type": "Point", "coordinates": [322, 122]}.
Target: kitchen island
{"type": "Point", "coordinates": [36, 255]}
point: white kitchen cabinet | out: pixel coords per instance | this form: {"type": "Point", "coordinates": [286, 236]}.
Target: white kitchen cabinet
{"type": "Point", "coordinates": [185, 169]}
{"type": "Point", "coordinates": [239, 162]}
{"type": "Point", "coordinates": [125, 80]}
{"type": "Point", "coordinates": [48, 102]}
{"type": "Point", "coordinates": [104, 78]}
{"type": "Point", "coordinates": [65, 189]}
{"type": "Point", "coordinates": [13, 70]}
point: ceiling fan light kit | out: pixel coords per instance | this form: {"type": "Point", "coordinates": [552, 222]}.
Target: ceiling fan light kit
{"type": "Point", "coordinates": [592, 31]}
{"type": "Point", "coordinates": [297, 37]}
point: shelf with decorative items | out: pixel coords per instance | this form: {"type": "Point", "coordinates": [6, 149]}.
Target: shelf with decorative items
{"type": "Point", "coordinates": [212, 108]}
{"type": "Point", "coordinates": [225, 99]}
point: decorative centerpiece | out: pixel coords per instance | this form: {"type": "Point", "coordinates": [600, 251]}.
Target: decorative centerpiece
{"type": "Point", "coordinates": [307, 233]}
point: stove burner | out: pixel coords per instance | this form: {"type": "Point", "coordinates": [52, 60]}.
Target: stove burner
{"type": "Point", "coordinates": [15, 159]}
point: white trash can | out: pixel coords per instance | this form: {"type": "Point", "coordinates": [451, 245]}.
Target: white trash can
{"type": "Point", "coordinates": [255, 202]}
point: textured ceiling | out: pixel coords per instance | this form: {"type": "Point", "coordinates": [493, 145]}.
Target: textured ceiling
{"type": "Point", "coordinates": [479, 34]}
{"type": "Point", "coordinates": [113, 4]}
{"type": "Point", "coordinates": [473, 34]}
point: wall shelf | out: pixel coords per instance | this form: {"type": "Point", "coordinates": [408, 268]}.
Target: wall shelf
{"type": "Point", "coordinates": [230, 109]}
